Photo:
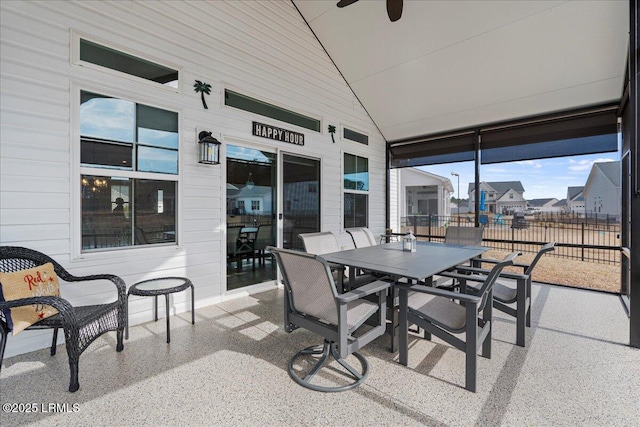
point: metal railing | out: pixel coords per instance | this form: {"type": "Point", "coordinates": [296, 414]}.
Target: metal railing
{"type": "Point", "coordinates": [585, 239]}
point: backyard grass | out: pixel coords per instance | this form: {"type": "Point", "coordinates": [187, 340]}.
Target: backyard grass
{"type": "Point", "coordinates": [569, 272]}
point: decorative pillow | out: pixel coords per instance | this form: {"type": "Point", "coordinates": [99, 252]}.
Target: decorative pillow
{"type": "Point", "coordinates": [34, 282]}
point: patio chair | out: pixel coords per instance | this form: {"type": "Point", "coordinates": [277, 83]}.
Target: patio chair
{"type": "Point", "coordinates": [362, 237]}
{"type": "Point", "coordinates": [237, 248]}
{"type": "Point", "coordinates": [262, 240]}
{"type": "Point", "coordinates": [467, 236]}
{"type": "Point", "coordinates": [442, 317]}
{"type": "Point", "coordinates": [312, 302]}
{"type": "Point", "coordinates": [505, 296]}
{"type": "Point", "coordinates": [324, 243]}
{"type": "Point", "coordinates": [81, 324]}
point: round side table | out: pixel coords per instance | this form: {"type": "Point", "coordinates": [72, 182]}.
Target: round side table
{"type": "Point", "coordinates": [161, 286]}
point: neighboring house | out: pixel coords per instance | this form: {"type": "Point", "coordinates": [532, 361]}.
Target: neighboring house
{"type": "Point", "coordinates": [575, 200]}
{"type": "Point", "coordinates": [416, 192]}
{"type": "Point", "coordinates": [500, 197]}
{"type": "Point", "coordinates": [253, 201]}
{"type": "Point", "coordinates": [543, 205]}
{"type": "Point", "coordinates": [602, 192]}
{"type": "Point", "coordinates": [561, 206]}
{"type": "Point", "coordinates": [462, 207]}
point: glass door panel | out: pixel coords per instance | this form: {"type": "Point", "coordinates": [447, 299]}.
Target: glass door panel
{"type": "Point", "coordinates": [251, 207]}
{"type": "Point", "coordinates": [301, 199]}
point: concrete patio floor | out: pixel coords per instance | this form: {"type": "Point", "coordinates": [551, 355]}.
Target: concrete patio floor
{"type": "Point", "coordinates": [230, 368]}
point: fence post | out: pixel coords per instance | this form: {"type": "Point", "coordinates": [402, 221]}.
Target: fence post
{"type": "Point", "coordinates": [582, 245]}
{"type": "Point", "coordinates": [415, 225]}
{"type": "Point", "coordinates": [513, 236]}
{"type": "Point", "coordinates": [429, 222]}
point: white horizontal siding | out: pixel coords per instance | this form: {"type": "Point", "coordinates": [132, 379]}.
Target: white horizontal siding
{"type": "Point", "coordinates": [261, 48]}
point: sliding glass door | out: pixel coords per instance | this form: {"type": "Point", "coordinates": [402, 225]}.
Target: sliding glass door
{"type": "Point", "coordinates": [301, 199]}
{"type": "Point", "coordinates": [251, 210]}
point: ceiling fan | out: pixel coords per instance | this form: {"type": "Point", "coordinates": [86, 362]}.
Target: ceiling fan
{"type": "Point", "coordinates": [394, 8]}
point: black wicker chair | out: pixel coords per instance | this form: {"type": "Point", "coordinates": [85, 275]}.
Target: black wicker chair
{"type": "Point", "coordinates": [81, 325]}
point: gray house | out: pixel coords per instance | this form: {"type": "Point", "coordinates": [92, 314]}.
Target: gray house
{"type": "Point", "coordinates": [501, 196]}
{"type": "Point", "coordinates": [602, 191]}
{"type": "Point", "coordinates": [575, 200]}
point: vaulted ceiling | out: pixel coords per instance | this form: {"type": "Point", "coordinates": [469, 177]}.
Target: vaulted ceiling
{"type": "Point", "coordinates": [449, 65]}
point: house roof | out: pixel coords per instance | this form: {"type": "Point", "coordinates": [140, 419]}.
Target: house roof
{"type": "Point", "coordinates": [611, 170]}
{"type": "Point", "coordinates": [501, 186]}
{"type": "Point", "coordinates": [573, 192]}
{"type": "Point", "coordinates": [541, 202]}
{"type": "Point", "coordinates": [560, 203]}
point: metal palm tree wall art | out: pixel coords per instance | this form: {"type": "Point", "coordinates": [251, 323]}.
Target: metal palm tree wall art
{"type": "Point", "coordinates": [202, 88]}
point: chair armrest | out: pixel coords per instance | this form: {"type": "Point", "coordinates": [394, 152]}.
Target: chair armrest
{"type": "Point", "coordinates": [62, 305]}
{"type": "Point", "coordinates": [496, 261]}
{"type": "Point", "coordinates": [468, 277]}
{"type": "Point", "coordinates": [363, 291]}
{"type": "Point", "coordinates": [116, 280]}
{"type": "Point", "coordinates": [439, 292]}
{"type": "Point", "coordinates": [504, 274]}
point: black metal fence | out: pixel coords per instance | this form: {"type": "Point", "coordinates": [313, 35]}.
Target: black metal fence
{"type": "Point", "coordinates": [586, 239]}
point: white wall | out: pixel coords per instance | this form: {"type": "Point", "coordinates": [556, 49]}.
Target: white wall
{"type": "Point", "coordinates": [262, 49]}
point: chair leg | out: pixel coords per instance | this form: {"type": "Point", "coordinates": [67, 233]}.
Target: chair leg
{"type": "Point", "coordinates": [74, 384]}
{"type": "Point", "coordinates": [471, 348]}
{"type": "Point", "coordinates": [4, 331]}
{"type": "Point", "coordinates": [120, 343]}
{"type": "Point", "coordinates": [521, 301]}
{"type": "Point", "coordinates": [54, 341]}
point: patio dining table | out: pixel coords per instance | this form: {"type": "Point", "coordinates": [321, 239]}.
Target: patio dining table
{"type": "Point", "coordinates": [429, 259]}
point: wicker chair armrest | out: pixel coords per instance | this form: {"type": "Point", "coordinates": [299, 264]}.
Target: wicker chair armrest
{"type": "Point", "coordinates": [439, 292]}
{"type": "Point", "coordinates": [116, 280]}
{"type": "Point", "coordinates": [363, 291]}
{"type": "Point", "coordinates": [62, 305]}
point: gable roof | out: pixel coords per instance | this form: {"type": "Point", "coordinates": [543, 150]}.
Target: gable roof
{"type": "Point", "coordinates": [611, 170]}
{"type": "Point", "coordinates": [501, 186]}
{"type": "Point", "coordinates": [573, 192]}
{"type": "Point", "coordinates": [541, 202]}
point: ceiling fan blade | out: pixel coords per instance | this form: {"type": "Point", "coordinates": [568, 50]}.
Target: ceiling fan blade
{"type": "Point", "coordinates": [343, 3]}
{"type": "Point", "coordinates": [394, 9]}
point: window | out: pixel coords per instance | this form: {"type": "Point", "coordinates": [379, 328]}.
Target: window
{"type": "Point", "coordinates": [356, 186]}
{"type": "Point", "coordinates": [246, 103]}
{"type": "Point", "coordinates": [241, 208]}
{"type": "Point", "coordinates": [255, 205]}
{"type": "Point", "coordinates": [129, 173]}
{"type": "Point", "coordinates": [115, 60]}
{"type": "Point", "coordinates": [352, 135]}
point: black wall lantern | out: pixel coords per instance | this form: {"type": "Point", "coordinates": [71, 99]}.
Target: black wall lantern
{"type": "Point", "coordinates": [209, 149]}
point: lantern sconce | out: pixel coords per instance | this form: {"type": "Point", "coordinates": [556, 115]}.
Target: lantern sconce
{"type": "Point", "coordinates": [209, 149]}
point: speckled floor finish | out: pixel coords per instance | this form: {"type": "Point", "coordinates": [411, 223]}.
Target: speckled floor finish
{"type": "Point", "coordinates": [230, 369]}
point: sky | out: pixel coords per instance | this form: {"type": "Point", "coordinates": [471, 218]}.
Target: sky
{"type": "Point", "coordinates": [541, 179]}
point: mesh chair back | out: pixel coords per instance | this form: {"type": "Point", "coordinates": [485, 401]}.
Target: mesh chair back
{"type": "Point", "coordinates": [233, 234]}
{"type": "Point", "coordinates": [308, 280]}
{"type": "Point", "coordinates": [263, 237]}
{"type": "Point", "coordinates": [360, 237]}
{"type": "Point", "coordinates": [483, 292]}
{"type": "Point", "coordinates": [320, 243]}
{"type": "Point", "coordinates": [467, 236]}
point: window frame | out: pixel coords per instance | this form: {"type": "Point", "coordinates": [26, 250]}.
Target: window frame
{"type": "Point", "coordinates": [77, 170]}
{"type": "Point", "coordinates": [353, 129]}
{"type": "Point", "coordinates": [352, 191]}
{"type": "Point", "coordinates": [266, 119]}
{"type": "Point", "coordinates": [76, 61]}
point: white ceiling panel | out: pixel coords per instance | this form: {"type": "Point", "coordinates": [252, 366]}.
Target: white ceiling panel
{"type": "Point", "coordinates": [453, 64]}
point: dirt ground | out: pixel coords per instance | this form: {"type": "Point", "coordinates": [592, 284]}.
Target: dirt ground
{"type": "Point", "coordinates": [581, 274]}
